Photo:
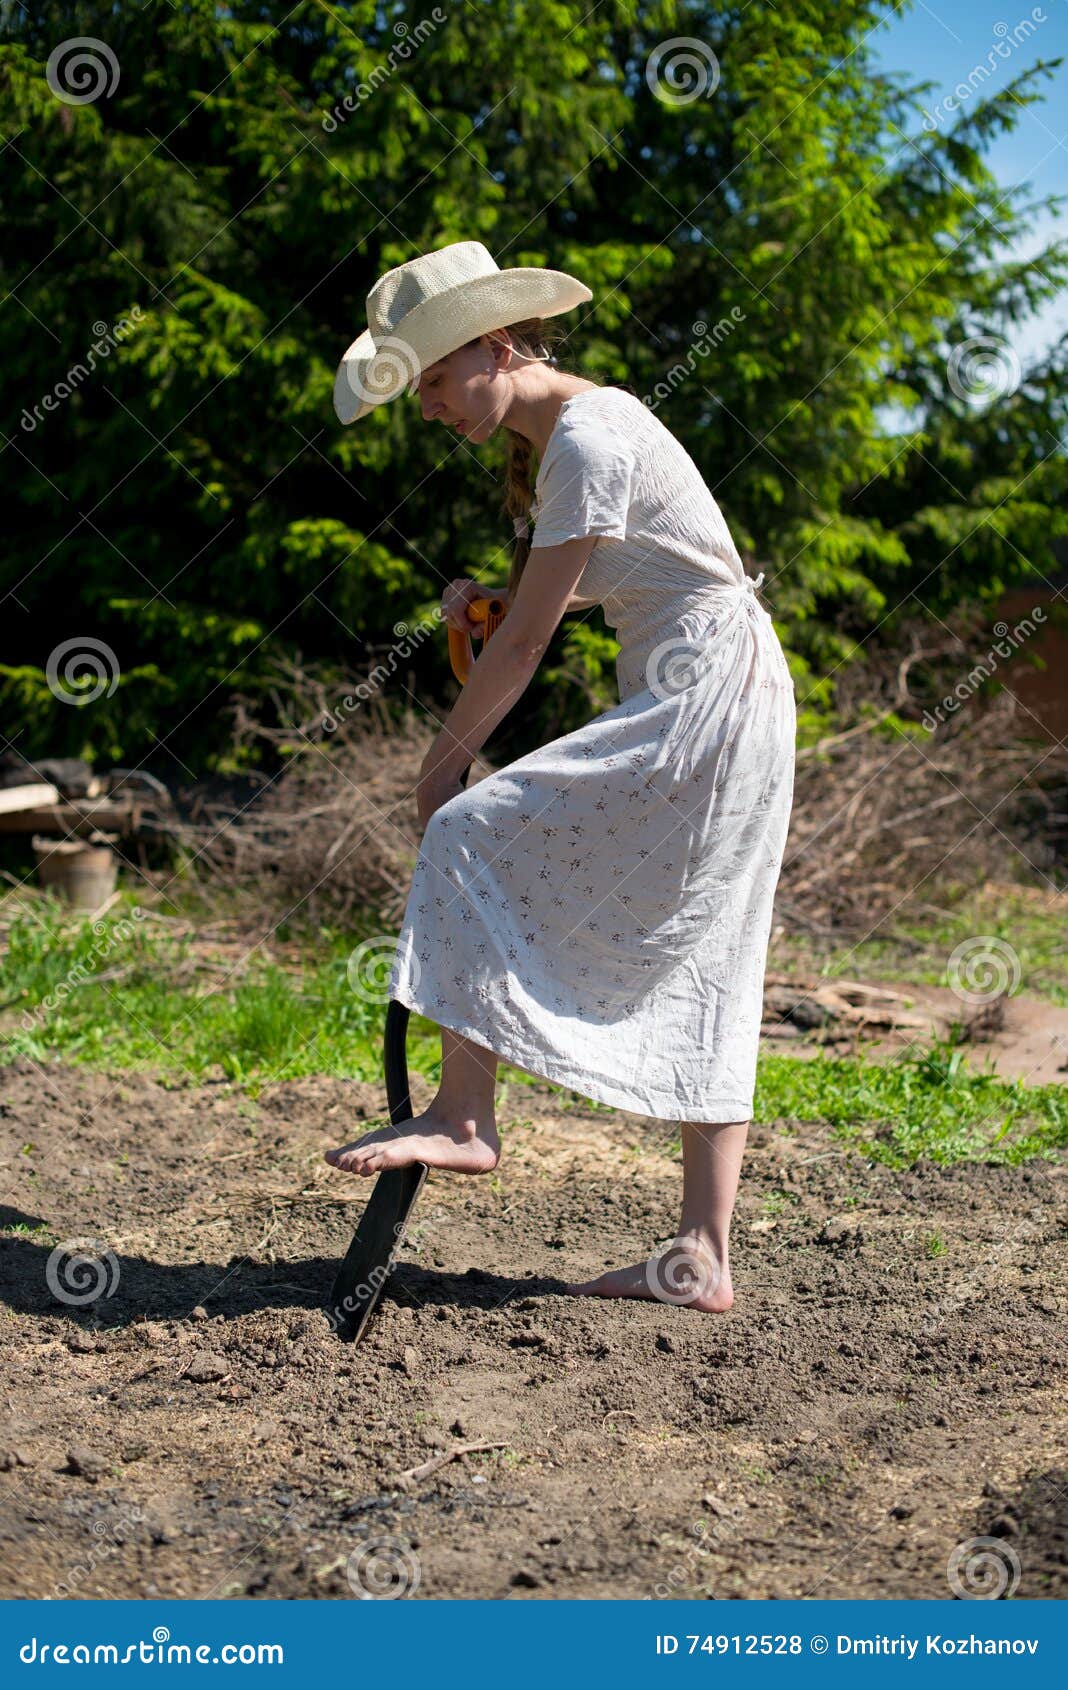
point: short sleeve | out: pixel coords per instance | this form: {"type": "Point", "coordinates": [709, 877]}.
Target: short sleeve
{"type": "Point", "coordinates": [585, 488]}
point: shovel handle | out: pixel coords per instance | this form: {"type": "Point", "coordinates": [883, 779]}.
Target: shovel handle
{"type": "Point", "coordinates": [491, 611]}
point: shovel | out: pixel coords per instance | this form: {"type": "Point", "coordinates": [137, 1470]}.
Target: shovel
{"type": "Point", "coordinates": [369, 1262]}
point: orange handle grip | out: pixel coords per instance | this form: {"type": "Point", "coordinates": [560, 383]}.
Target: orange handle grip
{"type": "Point", "coordinates": [491, 612]}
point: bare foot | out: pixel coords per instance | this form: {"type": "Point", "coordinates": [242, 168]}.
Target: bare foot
{"type": "Point", "coordinates": [467, 1149]}
{"type": "Point", "coordinates": [687, 1272]}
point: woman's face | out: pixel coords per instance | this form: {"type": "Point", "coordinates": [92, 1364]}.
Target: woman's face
{"type": "Point", "coordinates": [463, 391]}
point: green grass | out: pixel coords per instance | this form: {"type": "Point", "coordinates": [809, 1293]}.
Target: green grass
{"type": "Point", "coordinates": [908, 950]}
{"type": "Point", "coordinates": [267, 1023]}
{"type": "Point", "coordinates": [926, 1106]}
{"type": "Point", "coordinates": [131, 1003]}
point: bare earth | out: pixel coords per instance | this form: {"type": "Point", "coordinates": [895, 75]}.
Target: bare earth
{"type": "Point", "coordinates": [886, 1388]}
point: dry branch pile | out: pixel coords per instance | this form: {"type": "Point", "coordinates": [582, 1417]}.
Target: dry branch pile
{"type": "Point", "coordinates": [334, 836]}
{"type": "Point", "coordinates": [881, 821]}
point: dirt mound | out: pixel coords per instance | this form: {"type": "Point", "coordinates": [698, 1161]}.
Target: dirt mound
{"type": "Point", "coordinates": [885, 1390]}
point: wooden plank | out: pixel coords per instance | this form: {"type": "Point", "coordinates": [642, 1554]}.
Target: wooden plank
{"type": "Point", "coordinates": [75, 816]}
{"type": "Point", "coordinates": [35, 795]}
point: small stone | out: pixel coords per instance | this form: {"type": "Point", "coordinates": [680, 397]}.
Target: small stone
{"type": "Point", "coordinates": [12, 1458]}
{"type": "Point", "coordinates": [82, 1343]}
{"type": "Point", "coordinates": [837, 1231]}
{"type": "Point", "coordinates": [1005, 1526]}
{"type": "Point", "coordinates": [150, 1333]}
{"type": "Point", "coordinates": [901, 1511]}
{"type": "Point", "coordinates": [199, 1313]}
{"type": "Point", "coordinates": [410, 1361]}
{"type": "Point", "coordinates": [204, 1367]}
{"type": "Point", "coordinates": [86, 1462]}
{"type": "Point", "coordinates": [533, 1340]}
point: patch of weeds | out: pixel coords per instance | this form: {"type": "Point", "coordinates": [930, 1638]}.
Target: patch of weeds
{"type": "Point", "coordinates": [923, 1106]}
{"type": "Point", "coordinates": [776, 1201]}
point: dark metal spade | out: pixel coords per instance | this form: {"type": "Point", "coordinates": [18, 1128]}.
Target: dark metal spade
{"type": "Point", "coordinates": [369, 1262]}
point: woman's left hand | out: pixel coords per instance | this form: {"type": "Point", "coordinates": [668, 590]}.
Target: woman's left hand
{"type": "Point", "coordinates": [432, 792]}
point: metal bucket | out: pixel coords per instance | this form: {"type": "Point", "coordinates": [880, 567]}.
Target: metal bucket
{"type": "Point", "coordinates": [81, 873]}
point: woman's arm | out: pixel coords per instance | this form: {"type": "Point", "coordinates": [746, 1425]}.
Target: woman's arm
{"type": "Point", "coordinates": [504, 668]}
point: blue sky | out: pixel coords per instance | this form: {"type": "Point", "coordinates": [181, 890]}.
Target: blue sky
{"type": "Point", "coordinates": [943, 41]}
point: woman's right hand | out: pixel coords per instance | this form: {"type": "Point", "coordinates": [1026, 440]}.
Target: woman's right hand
{"type": "Point", "coordinates": [456, 598]}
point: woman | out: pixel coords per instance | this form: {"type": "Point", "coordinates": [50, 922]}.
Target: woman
{"type": "Point", "coordinates": [598, 912]}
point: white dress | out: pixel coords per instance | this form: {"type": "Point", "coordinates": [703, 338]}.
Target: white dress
{"type": "Point", "coordinates": [598, 912]}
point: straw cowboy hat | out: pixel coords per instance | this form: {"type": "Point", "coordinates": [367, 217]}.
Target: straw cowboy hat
{"type": "Point", "coordinates": [427, 308]}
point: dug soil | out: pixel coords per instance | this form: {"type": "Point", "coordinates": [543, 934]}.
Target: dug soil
{"type": "Point", "coordinates": [885, 1390]}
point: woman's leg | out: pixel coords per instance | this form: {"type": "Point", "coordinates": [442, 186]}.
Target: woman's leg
{"type": "Point", "coordinates": [694, 1270]}
{"type": "Point", "coordinates": [457, 1129]}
